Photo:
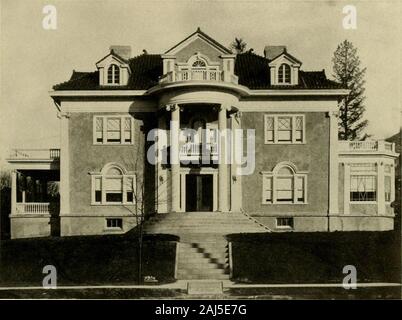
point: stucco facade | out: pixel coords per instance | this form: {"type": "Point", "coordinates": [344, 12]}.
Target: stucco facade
{"type": "Point", "coordinates": [127, 152]}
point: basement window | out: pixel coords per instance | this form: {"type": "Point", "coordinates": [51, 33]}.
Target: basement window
{"type": "Point", "coordinates": [284, 223]}
{"type": "Point", "coordinates": [114, 223]}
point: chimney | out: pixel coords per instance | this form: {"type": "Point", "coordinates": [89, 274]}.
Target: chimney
{"type": "Point", "coordinates": [122, 51]}
{"type": "Point", "coordinates": [271, 52]}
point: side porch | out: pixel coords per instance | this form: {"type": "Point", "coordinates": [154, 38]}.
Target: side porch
{"type": "Point", "coordinates": [35, 199]}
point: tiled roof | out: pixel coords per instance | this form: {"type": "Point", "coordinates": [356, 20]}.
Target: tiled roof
{"type": "Point", "coordinates": [252, 70]}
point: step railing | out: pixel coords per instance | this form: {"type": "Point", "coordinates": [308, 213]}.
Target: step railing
{"type": "Point", "coordinates": [256, 221]}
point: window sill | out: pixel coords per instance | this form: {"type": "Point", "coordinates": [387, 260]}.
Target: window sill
{"type": "Point", "coordinates": [113, 230]}
{"type": "Point", "coordinates": [295, 143]}
{"type": "Point", "coordinates": [113, 144]}
{"type": "Point", "coordinates": [284, 228]}
{"type": "Point", "coordinates": [363, 202]}
{"type": "Point", "coordinates": [282, 203]}
{"type": "Point", "coordinates": [113, 204]}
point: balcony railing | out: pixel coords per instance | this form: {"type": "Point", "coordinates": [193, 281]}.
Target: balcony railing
{"type": "Point", "coordinates": [33, 207]}
{"type": "Point", "coordinates": [197, 149]}
{"type": "Point", "coordinates": [35, 154]}
{"type": "Point", "coordinates": [198, 75]}
{"type": "Point", "coordinates": [366, 146]}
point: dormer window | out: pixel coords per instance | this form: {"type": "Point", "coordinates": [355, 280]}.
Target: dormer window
{"type": "Point", "coordinates": [284, 74]}
{"type": "Point", "coordinates": [113, 74]}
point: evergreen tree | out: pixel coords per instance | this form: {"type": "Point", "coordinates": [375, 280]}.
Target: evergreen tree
{"type": "Point", "coordinates": [238, 45]}
{"type": "Point", "coordinates": [348, 72]}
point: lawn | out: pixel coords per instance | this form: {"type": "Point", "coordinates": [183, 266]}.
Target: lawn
{"type": "Point", "coordinates": [87, 260]}
{"type": "Point", "coordinates": [315, 257]}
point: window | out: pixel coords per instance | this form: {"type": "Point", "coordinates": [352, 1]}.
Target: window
{"type": "Point", "coordinates": [113, 130]}
{"type": "Point", "coordinates": [113, 74]}
{"type": "Point", "coordinates": [284, 129]}
{"type": "Point", "coordinates": [363, 182]}
{"type": "Point", "coordinates": [284, 74]}
{"type": "Point", "coordinates": [285, 223]}
{"type": "Point", "coordinates": [284, 185]}
{"type": "Point", "coordinates": [99, 130]}
{"type": "Point", "coordinates": [114, 223]}
{"type": "Point", "coordinates": [113, 186]}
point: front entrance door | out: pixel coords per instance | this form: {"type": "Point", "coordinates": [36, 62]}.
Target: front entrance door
{"type": "Point", "coordinates": [199, 192]}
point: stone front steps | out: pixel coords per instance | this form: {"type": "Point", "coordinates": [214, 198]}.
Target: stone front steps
{"type": "Point", "coordinates": [202, 222]}
{"type": "Point", "coordinates": [203, 249]}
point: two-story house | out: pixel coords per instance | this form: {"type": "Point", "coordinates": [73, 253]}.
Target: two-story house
{"type": "Point", "coordinates": [114, 165]}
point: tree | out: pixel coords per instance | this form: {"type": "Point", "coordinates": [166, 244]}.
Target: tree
{"type": "Point", "coordinates": [238, 45]}
{"type": "Point", "coordinates": [347, 71]}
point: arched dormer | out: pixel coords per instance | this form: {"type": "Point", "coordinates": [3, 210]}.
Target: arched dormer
{"type": "Point", "coordinates": [284, 69]}
{"type": "Point", "coordinates": [113, 70]}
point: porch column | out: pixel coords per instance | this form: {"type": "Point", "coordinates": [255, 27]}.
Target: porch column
{"type": "Point", "coordinates": [222, 166]}
{"type": "Point", "coordinates": [13, 192]}
{"type": "Point", "coordinates": [174, 156]}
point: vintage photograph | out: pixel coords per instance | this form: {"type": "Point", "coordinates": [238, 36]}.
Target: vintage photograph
{"type": "Point", "coordinates": [200, 150]}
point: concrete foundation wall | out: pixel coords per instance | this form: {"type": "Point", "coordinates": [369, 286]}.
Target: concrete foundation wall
{"type": "Point", "coordinates": [301, 223]}
{"type": "Point", "coordinates": [30, 225]}
{"type": "Point", "coordinates": [87, 225]}
{"type": "Point", "coordinates": [359, 223]}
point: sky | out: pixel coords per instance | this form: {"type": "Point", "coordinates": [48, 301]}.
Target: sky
{"type": "Point", "coordinates": [34, 59]}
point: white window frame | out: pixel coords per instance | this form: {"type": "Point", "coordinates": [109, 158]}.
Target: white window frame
{"type": "Point", "coordinates": [113, 66]}
{"type": "Point", "coordinates": [103, 176]}
{"type": "Point", "coordinates": [114, 228]}
{"type": "Point", "coordinates": [282, 81]}
{"type": "Point", "coordinates": [104, 128]}
{"type": "Point", "coordinates": [274, 176]}
{"type": "Point", "coordinates": [373, 173]}
{"type": "Point", "coordinates": [286, 227]}
{"type": "Point", "coordinates": [275, 131]}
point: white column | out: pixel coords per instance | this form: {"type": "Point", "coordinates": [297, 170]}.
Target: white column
{"type": "Point", "coordinates": [64, 165]}
{"type": "Point", "coordinates": [174, 156]}
{"type": "Point", "coordinates": [346, 188]}
{"type": "Point", "coordinates": [380, 189]}
{"type": "Point", "coordinates": [333, 164]}
{"type": "Point", "coordinates": [222, 166]}
{"type": "Point", "coordinates": [161, 173]}
{"type": "Point", "coordinates": [236, 147]}
{"type": "Point", "coordinates": [13, 192]}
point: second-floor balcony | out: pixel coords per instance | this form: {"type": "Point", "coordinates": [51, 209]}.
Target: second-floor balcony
{"type": "Point", "coordinates": [195, 151]}
{"type": "Point", "coordinates": [35, 154]}
{"type": "Point", "coordinates": [198, 75]}
{"type": "Point", "coordinates": [35, 158]}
